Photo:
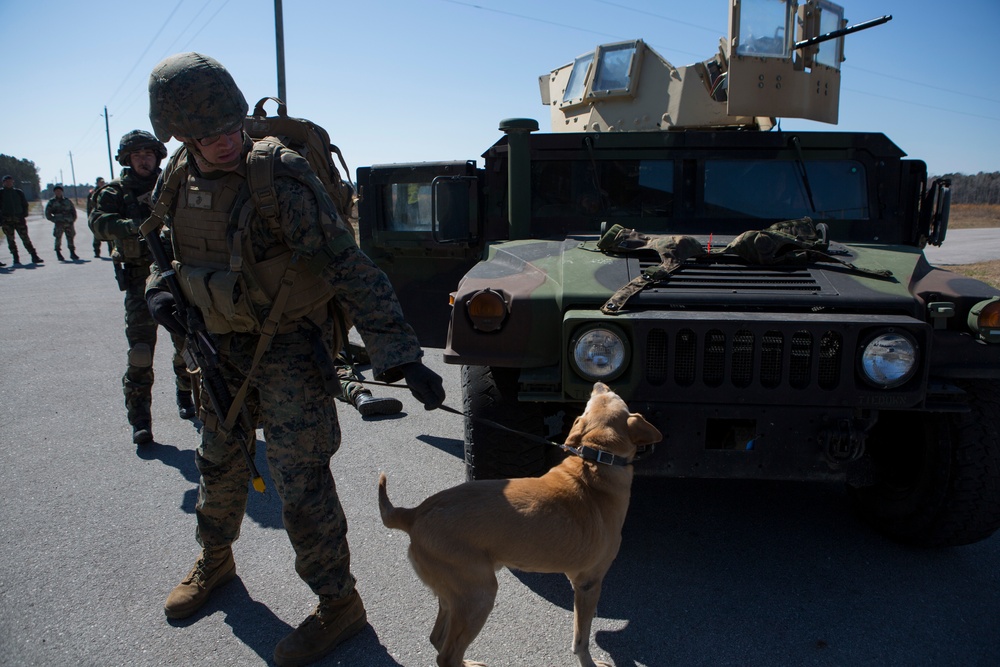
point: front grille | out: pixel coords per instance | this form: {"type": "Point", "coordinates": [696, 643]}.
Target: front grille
{"type": "Point", "coordinates": [712, 360]}
{"type": "Point", "coordinates": [745, 279]}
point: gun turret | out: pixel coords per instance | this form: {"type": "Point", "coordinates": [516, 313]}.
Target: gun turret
{"type": "Point", "coordinates": [782, 59]}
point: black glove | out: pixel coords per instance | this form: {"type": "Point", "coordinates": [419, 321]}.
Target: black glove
{"type": "Point", "coordinates": [162, 307]}
{"type": "Point", "coordinates": [425, 385]}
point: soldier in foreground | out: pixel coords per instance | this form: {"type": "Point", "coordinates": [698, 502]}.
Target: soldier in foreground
{"type": "Point", "coordinates": [14, 212]}
{"type": "Point", "coordinates": [61, 212]}
{"type": "Point", "coordinates": [215, 227]}
{"type": "Point", "coordinates": [119, 208]}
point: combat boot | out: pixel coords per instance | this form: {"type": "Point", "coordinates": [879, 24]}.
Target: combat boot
{"type": "Point", "coordinates": [73, 256]}
{"type": "Point", "coordinates": [17, 259]}
{"type": "Point", "coordinates": [213, 568]}
{"type": "Point", "coordinates": [333, 622]}
{"type": "Point", "coordinates": [58, 256]}
{"type": "Point", "coordinates": [185, 406]}
{"type": "Point", "coordinates": [369, 405]}
{"type": "Point", "coordinates": [38, 260]}
{"type": "Point", "coordinates": [142, 433]}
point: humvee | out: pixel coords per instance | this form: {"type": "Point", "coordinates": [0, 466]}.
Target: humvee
{"type": "Point", "coordinates": [635, 244]}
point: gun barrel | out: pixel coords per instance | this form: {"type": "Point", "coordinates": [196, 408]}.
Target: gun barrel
{"type": "Point", "coordinates": [843, 31]}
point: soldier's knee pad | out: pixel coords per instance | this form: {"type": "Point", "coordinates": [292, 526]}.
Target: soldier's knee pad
{"type": "Point", "coordinates": [140, 355]}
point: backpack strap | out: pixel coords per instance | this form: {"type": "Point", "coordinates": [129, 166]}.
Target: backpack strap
{"type": "Point", "coordinates": [167, 199]}
{"type": "Point", "coordinates": [260, 179]}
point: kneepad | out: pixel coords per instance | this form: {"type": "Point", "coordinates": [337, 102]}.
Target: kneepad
{"type": "Point", "coordinates": [140, 356]}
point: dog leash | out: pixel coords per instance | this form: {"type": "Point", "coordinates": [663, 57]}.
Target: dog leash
{"type": "Point", "coordinates": [584, 452]}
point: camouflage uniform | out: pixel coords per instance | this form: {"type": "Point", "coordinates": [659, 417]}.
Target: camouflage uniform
{"type": "Point", "coordinates": [91, 203]}
{"type": "Point", "coordinates": [14, 212]}
{"type": "Point", "coordinates": [118, 208]}
{"type": "Point", "coordinates": [288, 397]}
{"type": "Point", "coordinates": [61, 212]}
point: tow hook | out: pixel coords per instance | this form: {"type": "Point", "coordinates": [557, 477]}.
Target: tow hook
{"type": "Point", "coordinates": [843, 442]}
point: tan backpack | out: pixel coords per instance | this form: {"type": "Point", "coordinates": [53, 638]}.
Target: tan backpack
{"type": "Point", "coordinates": [306, 138]}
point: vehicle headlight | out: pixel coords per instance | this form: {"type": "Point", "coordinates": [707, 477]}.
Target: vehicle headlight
{"type": "Point", "coordinates": [487, 310]}
{"type": "Point", "coordinates": [889, 359]}
{"type": "Point", "coordinates": [599, 353]}
{"type": "Point", "coordinates": [984, 319]}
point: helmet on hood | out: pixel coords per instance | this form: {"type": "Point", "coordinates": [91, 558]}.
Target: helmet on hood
{"type": "Point", "coordinates": [193, 96]}
{"type": "Point", "coordinates": [137, 140]}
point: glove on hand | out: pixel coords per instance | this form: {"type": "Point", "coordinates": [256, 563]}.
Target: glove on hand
{"type": "Point", "coordinates": [161, 306]}
{"type": "Point", "coordinates": [425, 385]}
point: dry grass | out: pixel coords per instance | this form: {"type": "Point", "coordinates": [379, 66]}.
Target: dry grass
{"type": "Point", "coordinates": [988, 272]}
{"type": "Point", "coordinates": [974, 216]}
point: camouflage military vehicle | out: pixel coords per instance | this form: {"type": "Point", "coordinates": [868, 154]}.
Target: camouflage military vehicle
{"type": "Point", "coordinates": [760, 295]}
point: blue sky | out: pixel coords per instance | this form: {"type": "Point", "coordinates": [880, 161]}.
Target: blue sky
{"type": "Point", "coordinates": [427, 80]}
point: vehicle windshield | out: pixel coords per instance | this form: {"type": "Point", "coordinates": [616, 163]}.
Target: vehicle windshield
{"type": "Point", "coordinates": [777, 189]}
{"type": "Point", "coordinates": [576, 196]}
{"type": "Point", "coordinates": [588, 190]}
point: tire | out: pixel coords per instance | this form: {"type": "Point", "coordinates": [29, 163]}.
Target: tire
{"type": "Point", "coordinates": [492, 453]}
{"type": "Point", "coordinates": [937, 475]}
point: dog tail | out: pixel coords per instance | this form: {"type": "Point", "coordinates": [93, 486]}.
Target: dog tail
{"type": "Point", "coordinates": [392, 517]}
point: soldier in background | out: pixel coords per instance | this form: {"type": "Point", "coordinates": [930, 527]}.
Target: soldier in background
{"type": "Point", "coordinates": [14, 213]}
{"type": "Point", "coordinates": [91, 202]}
{"type": "Point", "coordinates": [119, 208]}
{"type": "Point", "coordinates": [61, 212]}
{"type": "Point", "coordinates": [194, 99]}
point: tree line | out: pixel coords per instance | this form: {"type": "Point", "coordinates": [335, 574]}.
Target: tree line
{"type": "Point", "coordinates": [981, 188]}
{"type": "Point", "coordinates": [25, 174]}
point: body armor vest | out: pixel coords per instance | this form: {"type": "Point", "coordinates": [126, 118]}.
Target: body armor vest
{"type": "Point", "coordinates": [216, 267]}
{"type": "Point", "coordinates": [131, 250]}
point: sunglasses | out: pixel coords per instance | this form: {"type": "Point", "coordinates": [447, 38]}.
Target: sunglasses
{"type": "Point", "coordinates": [208, 141]}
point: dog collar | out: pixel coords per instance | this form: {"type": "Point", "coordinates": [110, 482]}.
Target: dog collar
{"type": "Point", "coordinates": [597, 455]}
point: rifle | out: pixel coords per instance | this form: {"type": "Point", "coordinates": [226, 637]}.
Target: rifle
{"type": "Point", "coordinates": [201, 354]}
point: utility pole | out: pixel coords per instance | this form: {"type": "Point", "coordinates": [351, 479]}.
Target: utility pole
{"type": "Point", "coordinates": [279, 45]}
{"type": "Point", "coordinates": [107, 132]}
{"type": "Point", "coordinates": [72, 173]}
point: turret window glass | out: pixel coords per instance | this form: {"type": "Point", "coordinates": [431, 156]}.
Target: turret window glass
{"type": "Point", "coordinates": [578, 78]}
{"type": "Point", "coordinates": [831, 18]}
{"type": "Point", "coordinates": [614, 68]}
{"type": "Point", "coordinates": [765, 28]}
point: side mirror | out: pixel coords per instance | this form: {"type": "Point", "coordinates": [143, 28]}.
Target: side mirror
{"type": "Point", "coordinates": [940, 198]}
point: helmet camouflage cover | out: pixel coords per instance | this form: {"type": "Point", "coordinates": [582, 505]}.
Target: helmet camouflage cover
{"type": "Point", "coordinates": [193, 96]}
{"type": "Point", "coordinates": [136, 140]}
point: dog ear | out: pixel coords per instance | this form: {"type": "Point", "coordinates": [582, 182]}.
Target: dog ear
{"type": "Point", "coordinates": [641, 432]}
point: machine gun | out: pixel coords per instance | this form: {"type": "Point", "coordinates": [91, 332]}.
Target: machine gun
{"type": "Point", "coordinates": [781, 59]}
{"type": "Point", "coordinates": [202, 356]}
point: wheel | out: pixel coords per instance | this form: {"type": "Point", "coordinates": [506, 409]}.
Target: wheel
{"type": "Point", "coordinates": [937, 475]}
{"type": "Point", "coordinates": [492, 453]}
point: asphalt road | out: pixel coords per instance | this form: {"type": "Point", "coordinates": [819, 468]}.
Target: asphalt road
{"type": "Point", "coordinates": [966, 246]}
{"type": "Point", "coordinates": [94, 533]}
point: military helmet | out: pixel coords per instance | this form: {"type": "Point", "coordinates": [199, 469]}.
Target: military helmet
{"type": "Point", "coordinates": [193, 96]}
{"type": "Point", "coordinates": [136, 140]}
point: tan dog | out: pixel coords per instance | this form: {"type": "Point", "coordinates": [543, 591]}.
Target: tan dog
{"type": "Point", "coordinates": [569, 520]}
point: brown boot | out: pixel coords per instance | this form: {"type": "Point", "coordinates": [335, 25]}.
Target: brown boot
{"type": "Point", "coordinates": [214, 568]}
{"type": "Point", "coordinates": [323, 630]}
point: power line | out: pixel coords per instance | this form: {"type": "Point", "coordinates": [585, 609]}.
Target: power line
{"type": "Point", "coordinates": [530, 18]}
{"type": "Point", "coordinates": [919, 104]}
{"type": "Point", "coordinates": [714, 31]}
{"type": "Point", "coordinates": [205, 24]}
{"type": "Point", "coordinates": [149, 45]}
